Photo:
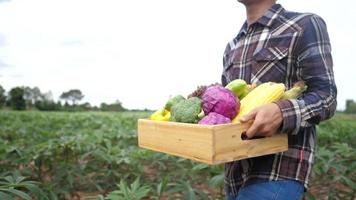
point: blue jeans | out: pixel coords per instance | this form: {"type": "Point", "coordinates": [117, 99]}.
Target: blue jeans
{"type": "Point", "coordinates": [271, 190]}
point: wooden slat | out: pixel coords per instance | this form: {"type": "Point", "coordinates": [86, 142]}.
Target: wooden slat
{"type": "Point", "coordinates": [208, 144]}
{"type": "Point", "coordinates": [185, 140]}
{"type": "Point", "coordinates": [229, 146]}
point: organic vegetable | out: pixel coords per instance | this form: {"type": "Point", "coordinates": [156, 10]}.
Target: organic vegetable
{"type": "Point", "coordinates": [247, 89]}
{"type": "Point", "coordinates": [237, 86]}
{"type": "Point", "coordinates": [261, 95]}
{"type": "Point", "coordinates": [214, 118]}
{"type": "Point", "coordinates": [201, 89]}
{"type": "Point", "coordinates": [161, 115]}
{"type": "Point", "coordinates": [201, 114]}
{"type": "Point", "coordinates": [293, 93]}
{"type": "Point", "coordinates": [220, 100]}
{"type": "Point", "coordinates": [187, 110]}
{"type": "Point", "coordinates": [172, 101]}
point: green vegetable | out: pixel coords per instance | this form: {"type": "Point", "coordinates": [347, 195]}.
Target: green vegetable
{"type": "Point", "coordinates": [237, 86]}
{"type": "Point", "coordinates": [247, 89]}
{"type": "Point", "coordinates": [187, 111]}
{"type": "Point", "coordinates": [172, 101]}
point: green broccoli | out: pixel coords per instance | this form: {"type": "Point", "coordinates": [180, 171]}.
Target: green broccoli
{"type": "Point", "coordinates": [172, 101]}
{"type": "Point", "coordinates": [187, 111]}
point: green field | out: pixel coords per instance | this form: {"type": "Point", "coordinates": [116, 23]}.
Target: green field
{"type": "Point", "coordinates": [88, 155]}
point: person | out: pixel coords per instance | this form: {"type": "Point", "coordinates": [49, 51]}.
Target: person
{"type": "Point", "coordinates": [285, 47]}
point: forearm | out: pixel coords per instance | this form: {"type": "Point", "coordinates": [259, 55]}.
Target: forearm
{"type": "Point", "coordinates": [308, 110]}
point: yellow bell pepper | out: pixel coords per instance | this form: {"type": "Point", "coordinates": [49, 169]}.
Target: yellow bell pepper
{"type": "Point", "coordinates": [161, 115]}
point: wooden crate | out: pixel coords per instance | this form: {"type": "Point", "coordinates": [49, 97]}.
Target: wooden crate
{"type": "Point", "coordinates": [211, 144]}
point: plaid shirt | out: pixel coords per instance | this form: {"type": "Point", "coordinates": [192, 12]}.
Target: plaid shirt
{"type": "Point", "coordinates": [284, 47]}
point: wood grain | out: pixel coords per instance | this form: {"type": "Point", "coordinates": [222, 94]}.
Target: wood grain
{"type": "Point", "coordinates": [212, 144]}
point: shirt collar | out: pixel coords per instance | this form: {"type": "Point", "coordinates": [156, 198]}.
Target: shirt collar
{"type": "Point", "coordinates": [243, 30]}
{"type": "Point", "coordinates": [266, 20]}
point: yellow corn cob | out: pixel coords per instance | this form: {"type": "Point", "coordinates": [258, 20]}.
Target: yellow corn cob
{"type": "Point", "coordinates": [261, 95]}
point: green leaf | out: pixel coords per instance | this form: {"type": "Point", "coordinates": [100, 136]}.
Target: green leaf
{"type": "Point", "coordinates": [9, 179]}
{"type": "Point", "coordinates": [202, 194]}
{"type": "Point", "coordinates": [34, 189]}
{"type": "Point", "coordinates": [199, 167]}
{"type": "Point", "coordinates": [349, 182]}
{"type": "Point", "coordinates": [2, 183]}
{"type": "Point", "coordinates": [217, 181]}
{"type": "Point", "coordinates": [18, 179]}
{"type": "Point", "coordinates": [124, 189]}
{"type": "Point", "coordinates": [19, 193]}
{"type": "Point", "coordinates": [142, 192]}
{"type": "Point", "coordinates": [309, 196]}
{"type": "Point", "coordinates": [52, 196]}
{"type": "Point", "coordinates": [3, 195]}
{"type": "Point", "coordinates": [100, 197]}
{"type": "Point", "coordinates": [190, 194]}
{"type": "Point", "coordinates": [135, 185]}
{"type": "Point", "coordinates": [161, 187]}
{"type": "Point", "coordinates": [175, 188]}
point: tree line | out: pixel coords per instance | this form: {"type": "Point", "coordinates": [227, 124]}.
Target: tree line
{"type": "Point", "coordinates": [350, 106]}
{"type": "Point", "coordinates": [27, 98]}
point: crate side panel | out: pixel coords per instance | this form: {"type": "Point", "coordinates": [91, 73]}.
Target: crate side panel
{"type": "Point", "coordinates": [230, 147]}
{"type": "Point", "coordinates": [188, 141]}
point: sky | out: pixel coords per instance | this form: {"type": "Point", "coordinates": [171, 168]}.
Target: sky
{"type": "Point", "coordinates": [140, 52]}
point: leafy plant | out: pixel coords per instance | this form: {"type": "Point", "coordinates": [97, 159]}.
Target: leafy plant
{"type": "Point", "coordinates": [134, 192]}
{"type": "Point", "coordinates": [335, 171]}
{"type": "Point", "coordinates": [188, 192]}
{"type": "Point", "coordinates": [81, 155]}
{"type": "Point", "coordinates": [15, 186]}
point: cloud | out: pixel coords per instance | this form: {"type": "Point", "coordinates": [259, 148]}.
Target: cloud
{"type": "Point", "coordinates": [2, 1]}
{"type": "Point", "coordinates": [4, 65]}
{"type": "Point", "coordinates": [16, 76]}
{"type": "Point", "coordinates": [3, 41]}
{"type": "Point", "coordinates": [70, 43]}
